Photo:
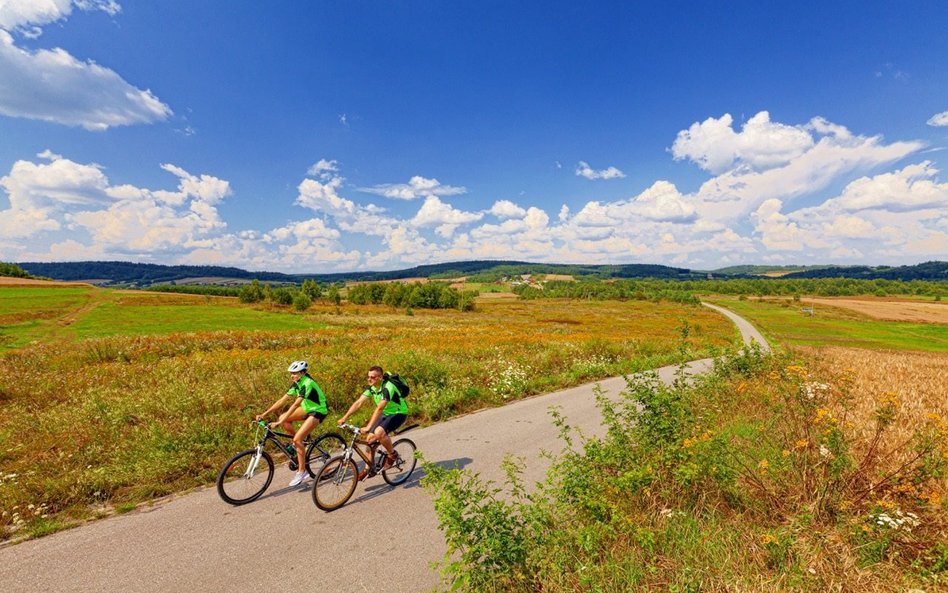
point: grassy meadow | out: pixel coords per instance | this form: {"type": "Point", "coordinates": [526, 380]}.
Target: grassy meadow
{"type": "Point", "coordinates": [111, 398]}
{"type": "Point", "coordinates": [784, 322]}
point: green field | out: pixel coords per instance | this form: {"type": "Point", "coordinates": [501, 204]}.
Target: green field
{"type": "Point", "coordinates": [783, 322]}
{"type": "Point", "coordinates": [46, 314]}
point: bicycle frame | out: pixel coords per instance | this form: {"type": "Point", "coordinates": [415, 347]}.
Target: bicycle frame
{"type": "Point", "coordinates": [273, 436]}
{"type": "Point", "coordinates": [373, 460]}
{"type": "Point", "coordinates": [368, 455]}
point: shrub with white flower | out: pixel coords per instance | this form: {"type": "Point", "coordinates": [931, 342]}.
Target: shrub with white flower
{"type": "Point", "coordinates": [896, 520]}
{"type": "Point", "coordinates": [509, 379]}
{"type": "Point", "coordinates": [595, 364]}
{"type": "Point", "coordinates": [812, 390]}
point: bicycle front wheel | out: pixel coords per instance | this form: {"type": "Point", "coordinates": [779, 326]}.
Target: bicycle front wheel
{"type": "Point", "coordinates": [245, 477]}
{"type": "Point", "coordinates": [404, 465]}
{"type": "Point", "coordinates": [321, 450]}
{"type": "Point", "coordinates": [335, 482]}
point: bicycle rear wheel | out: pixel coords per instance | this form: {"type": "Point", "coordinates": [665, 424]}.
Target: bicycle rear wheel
{"type": "Point", "coordinates": [335, 482]}
{"type": "Point", "coordinates": [404, 465]}
{"type": "Point", "coordinates": [321, 450]}
{"type": "Point", "coordinates": [245, 477]}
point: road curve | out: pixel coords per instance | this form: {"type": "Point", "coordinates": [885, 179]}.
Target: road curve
{"type": "Point", "coordinates": [196, 542]}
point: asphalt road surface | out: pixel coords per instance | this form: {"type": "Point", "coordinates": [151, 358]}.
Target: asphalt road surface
{"type": "Point", "coordinates": [383, 539]}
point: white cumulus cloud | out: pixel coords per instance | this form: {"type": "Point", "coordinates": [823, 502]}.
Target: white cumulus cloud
{"type": "Point", "coordinates": [761, 144]}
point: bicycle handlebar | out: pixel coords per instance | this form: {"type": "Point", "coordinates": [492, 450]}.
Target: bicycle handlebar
{"type": "Point", "coordinates": [351, 428]}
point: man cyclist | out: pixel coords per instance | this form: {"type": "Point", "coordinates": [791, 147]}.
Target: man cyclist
{"type": "Point", "coordinates": [308, 404]}
{"type": "Point", "coordinates": [391, 410]}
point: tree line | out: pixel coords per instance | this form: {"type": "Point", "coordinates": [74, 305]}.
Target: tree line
{"type": "Point", "coordinates": [429, 295]}
{"type": "Point", "coordinates": [685, 291]}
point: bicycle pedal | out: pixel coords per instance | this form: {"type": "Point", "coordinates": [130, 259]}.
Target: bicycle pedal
{"type": "Point", "coordinates": [293, 466]}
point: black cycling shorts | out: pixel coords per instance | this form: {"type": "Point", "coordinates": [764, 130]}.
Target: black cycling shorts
{"type": "Point", "coordinates": [317, 415]}
{"type": "Point", "coordinates": [390, 423]}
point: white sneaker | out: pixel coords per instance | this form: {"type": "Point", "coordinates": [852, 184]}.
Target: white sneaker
{"type": "Point", "coordinates": [298, 478]}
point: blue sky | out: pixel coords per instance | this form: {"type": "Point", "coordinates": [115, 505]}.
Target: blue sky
{"type": "Point", "coordinates": [336, 136]}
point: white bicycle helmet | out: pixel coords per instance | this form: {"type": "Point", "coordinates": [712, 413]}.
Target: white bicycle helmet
{"type": "Point", "coordinates": [298, 366]}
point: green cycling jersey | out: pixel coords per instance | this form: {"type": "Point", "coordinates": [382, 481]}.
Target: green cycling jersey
{"type": "Point", "coordinates": [314, 400]}
{"type": "Point", "coordinates": [396, 403]}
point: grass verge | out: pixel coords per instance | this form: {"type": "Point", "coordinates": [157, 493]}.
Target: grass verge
{"type": "Point", "coordinates": [762, 476]}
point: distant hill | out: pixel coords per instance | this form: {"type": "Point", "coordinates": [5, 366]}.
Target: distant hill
{"type": "Point", "coordinates": [119, 272]}
{"type": "Point", "coordinates": [932, 270]}
{"type": "Point", "coordinates": [774, 271]}
{"type": "Point", "coordinates": [134, 274]}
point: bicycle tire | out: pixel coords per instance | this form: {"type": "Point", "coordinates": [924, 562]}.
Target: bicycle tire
{"type": "Point", "coordinates": [404, 465]}
{"type": "Point", "coordinates": [322, 449]}
{"type": "Point", "coordinates": [235, 486]}
{"type": "Point", "coordinates": [334, 483]}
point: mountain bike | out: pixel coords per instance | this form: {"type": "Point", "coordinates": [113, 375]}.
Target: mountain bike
{"type": "Point", "coordinates": [336, 480]}
{"type": "Point", "coordinates": [249, 473]}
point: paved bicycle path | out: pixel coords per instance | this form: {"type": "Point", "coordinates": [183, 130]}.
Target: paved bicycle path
{"type": "Point", "coordinates": [383, 539]}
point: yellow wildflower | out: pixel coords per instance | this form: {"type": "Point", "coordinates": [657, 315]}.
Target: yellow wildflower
{"type": "Point", "coordinates": [764, 464]}
{"type": "Point", "coordinates": [801, 444]}
{"type": "Point", "coordinates": [767, 539]}
{"type": "Point", "coordinates": [786, 453]}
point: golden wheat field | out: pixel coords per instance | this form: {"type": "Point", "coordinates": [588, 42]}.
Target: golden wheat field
{"type": "Point", "coordinates": [912, 384]}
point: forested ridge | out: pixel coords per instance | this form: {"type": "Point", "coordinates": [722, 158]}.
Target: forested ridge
{"type": "Point", "coordinates": [142, 274]}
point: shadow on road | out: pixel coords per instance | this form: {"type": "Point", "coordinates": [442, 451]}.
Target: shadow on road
{"type": "Point", "coordinates": [379, 488]}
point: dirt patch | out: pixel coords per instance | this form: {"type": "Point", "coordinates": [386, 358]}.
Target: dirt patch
{"type": "Point", "coordinates": [9, 281]}
{"type": "Point", "coordinates": [497, 295]}
{"type": "Point", "coordinates": [890, 310]}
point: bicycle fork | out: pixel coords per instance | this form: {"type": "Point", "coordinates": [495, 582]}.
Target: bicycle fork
{"type": "Point", "coordinates": [254, 462]}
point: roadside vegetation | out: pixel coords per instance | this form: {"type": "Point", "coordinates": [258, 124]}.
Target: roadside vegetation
{"type": "Point", "coordinates": [120, 397]}
{"type": "Point", "coordinates": [770, 474]}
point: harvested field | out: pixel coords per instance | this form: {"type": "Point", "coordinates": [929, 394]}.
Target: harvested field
{"type": "Point", "coordinates": [890, 310]}
{"type": "Point", "coordinates": [497, 295]}
{"type": "Point", "coordinates": [566, 277]}
{"type": "Point", "coordinates": [9, 281]}
{"type": "Point", "coordinates": [405, 280]}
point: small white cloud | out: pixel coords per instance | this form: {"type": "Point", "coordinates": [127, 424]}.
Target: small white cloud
{"type": "Point", "coordinates": [939, 119]}
{"type": "Point", "coordinates": [584, 170]}
{"type": "Point", "coordinates": [564, 213]}
{"type": "Point", "coordinates": [417, 187]}
{"type": "Point", "coordinates": [323, 167]}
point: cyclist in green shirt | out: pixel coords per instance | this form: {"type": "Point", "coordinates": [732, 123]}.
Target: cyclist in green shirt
{"type": "Point", "coordinates": [308, 404]}
{"type": "Point", "coordinates": [391, 410]}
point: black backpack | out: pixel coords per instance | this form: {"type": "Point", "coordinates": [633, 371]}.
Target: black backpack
{"type": "Point", "coordinates": [398, 382]}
